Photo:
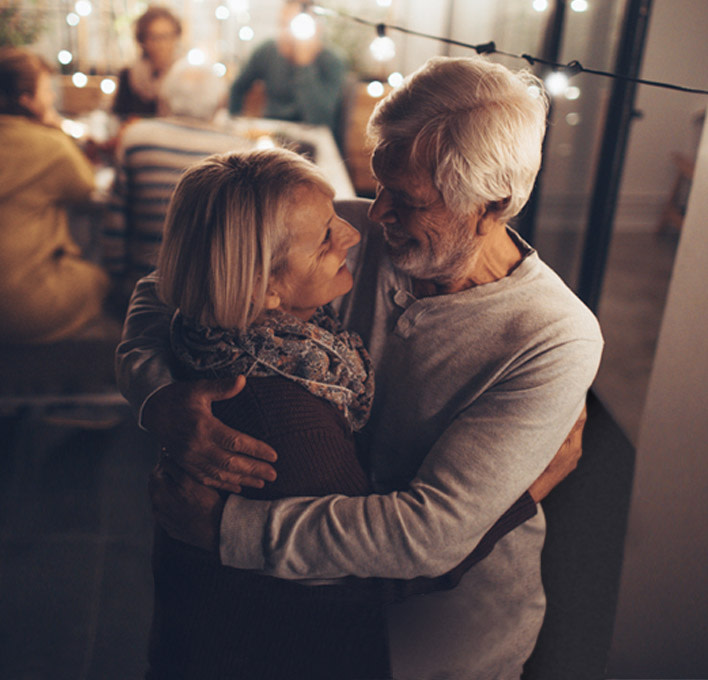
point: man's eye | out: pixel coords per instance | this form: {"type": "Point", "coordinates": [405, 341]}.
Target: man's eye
{"type": "Point", "coordinates": [327, 237]}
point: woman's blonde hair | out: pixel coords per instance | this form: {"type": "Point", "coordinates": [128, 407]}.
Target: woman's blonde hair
{"type": "Point", "coordinates": [226, 233]}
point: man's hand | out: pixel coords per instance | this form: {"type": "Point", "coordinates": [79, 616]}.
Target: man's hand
{"type": "Point", "coordinates": [186, 509]}
{"type": "Point", "coordinates": [564, 462]}
{"type": "Point", "coordinates": [214, 454]}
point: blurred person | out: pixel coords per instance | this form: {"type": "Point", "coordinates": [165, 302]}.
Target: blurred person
{"type": "Point", "coordinates": [150, 156]}
{"type": "Point", "coordinates": [303, 79]}
{"type": "Point", "coordinates": [47, 291]}
{"type": "Point", "coordinates": [157, 32]}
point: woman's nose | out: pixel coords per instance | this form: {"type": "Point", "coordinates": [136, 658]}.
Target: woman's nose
{"type": "Point", "coordinates": [348, 235]}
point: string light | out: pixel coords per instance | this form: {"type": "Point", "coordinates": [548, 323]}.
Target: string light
{"type": "Point", "coordinates": [383, 48]}
{"type": "Point", "coordinates": [196, 57]}
{"type": "Point", "coordinates": [73, 128]}
{"type": "Point", "coordinates": [83, 7]}
{"type": "Point", "coordinates": [375, 89]}
{"type": "Point", "coordinates": [573, 119]}
{"type": "Point", "coordinates": [239, 6]}
{"type": "Point", "coordinates": [540, 5]}
{"type": "Point", "coordinates": [108, 86]}
{"type": "Point", "coordinates": [222, 12]}
{"type": "Point", "coordinates": [246, 33]}
{"type": "Point", "coordinates": [64, 57]}
{"type": "Point", "coordinates": [570, 69]}
{"type": "Point", "coordinates": [395, 79]}
{"type": "Point", "coordinates": [534, 91]}
{"type": "Point", "coordinates": [556, 83]}
{"type": "Point", "coordinates": [303, 27]}
{"type": "Point", "coordinates": [579, 5]}
{"type": "Point", "coordinates": [72, 19]}
{"type": "Point", "coordinates": [79, 79]}
{"type": "Point", "coordinates": [572, 92]}
{"type": "Point", "coordinates": [219, 69]}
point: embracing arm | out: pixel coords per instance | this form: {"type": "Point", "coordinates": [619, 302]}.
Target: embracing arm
{"type": "Point", "coordinates": [179, 413]}
{"type": "Point", "coordinates": [488, 456]}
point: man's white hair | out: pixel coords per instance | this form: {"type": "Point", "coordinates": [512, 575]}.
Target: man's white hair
{"type": "Point", "coordinates": [475, 125]}
{"type": "Point", "coordinates": [193, 91]}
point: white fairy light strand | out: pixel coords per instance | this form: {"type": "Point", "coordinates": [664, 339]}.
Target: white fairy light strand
{"type": "Point", "coordinates": [570, 69]}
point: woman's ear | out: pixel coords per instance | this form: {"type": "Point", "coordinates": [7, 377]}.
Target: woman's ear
{"type": "Point", "coordinates": [272, 299]}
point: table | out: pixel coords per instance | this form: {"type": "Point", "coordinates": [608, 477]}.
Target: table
{"type": "Point", "coordinates": [283, 133]}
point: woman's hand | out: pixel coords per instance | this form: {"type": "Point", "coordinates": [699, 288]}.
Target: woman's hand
{"type": "Point", "coordinates": [186, 510]}
{"type": "Point", "coordinates": [564, 462]}
{"type": "Point", "coordinates": [214, 454]}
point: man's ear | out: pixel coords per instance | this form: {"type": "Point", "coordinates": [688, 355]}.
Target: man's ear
{"type": "Point", "coordinates": [490, 215]}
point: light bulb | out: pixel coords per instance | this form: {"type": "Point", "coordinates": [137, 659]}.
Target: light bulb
{"type": "Point", "coordinates": [383, 48]}
{"type": "Point", "coordinates": [246, 33]}
{"type": "Point", "coordinates": [534, 91]}
{"type": "Point", "coordinates": [557, 83]}
{"type": "Point", "coordinates": [72, 18]}
{"type": "Point", "coordinates": [375, 89]}
{"type": "Point", "coordinates": [222, 12]}
{"type": "Point", "coordinates": [395, 79]}
{"type": "Point", "coordinates": [572, 92]}
{"type": "Point", "coordinates": [64, 57]}
{"type": "Point", "coordinates": [108, 86]}
{"type": "Point", "coordinates": [83, 7]}
{"type": "Point", "coordinates": [303, 27]}
{"type": "Point", "coordinates": [579, 5]}
{"type": "Point", "coordinates": [196, 57]}
{"type": "Point", "coordinates": [219, 69]}
{"type": "Point", "coordinates": [540, 5]}
{"type": "Point", "coordinates": [79, 79]}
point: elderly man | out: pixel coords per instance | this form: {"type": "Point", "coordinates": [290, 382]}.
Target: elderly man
{"type": "Point", "coordinates": [483, 360]}
{"type": "Point", "coordinates": [151, 156]}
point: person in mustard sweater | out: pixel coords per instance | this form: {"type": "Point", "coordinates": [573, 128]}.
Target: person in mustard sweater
{"type": "Point", "coordinates": [47, 291]}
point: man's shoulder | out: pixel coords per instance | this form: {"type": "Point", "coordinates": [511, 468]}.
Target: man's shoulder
{"type": "Point", "coordinates": [355, 211]}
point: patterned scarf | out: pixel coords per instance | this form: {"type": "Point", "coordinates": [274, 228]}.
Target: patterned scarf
{"type": "Point", "coordinates": [326, 360]}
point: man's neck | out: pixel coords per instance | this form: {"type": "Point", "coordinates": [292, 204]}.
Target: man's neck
{"type": "Point", "coordinates": [497, 256]}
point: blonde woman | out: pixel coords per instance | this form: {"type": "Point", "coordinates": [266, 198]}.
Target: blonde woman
{"type": "Point", "coordinates": [252, 254]}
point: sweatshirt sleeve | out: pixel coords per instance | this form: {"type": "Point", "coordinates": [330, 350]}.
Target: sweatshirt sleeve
{"type": "Point", "coordinates": [485, 459]}
{"type": "Point", "coordinates": [143, 355]}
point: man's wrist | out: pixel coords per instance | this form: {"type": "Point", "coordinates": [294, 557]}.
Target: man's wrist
{"type": "Point", "coordinates": [243, 524]}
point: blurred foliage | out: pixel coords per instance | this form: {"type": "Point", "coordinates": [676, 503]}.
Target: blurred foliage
{"type": "Point", "coordinates": [21, 23]}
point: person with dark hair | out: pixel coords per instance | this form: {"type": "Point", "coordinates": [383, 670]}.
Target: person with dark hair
{"type": "Point", "coordinates": [47, 291]}
{"type": "Point", "coordinates": [157, 32]}
{"type": "Point", "coordinates": [303, 78]}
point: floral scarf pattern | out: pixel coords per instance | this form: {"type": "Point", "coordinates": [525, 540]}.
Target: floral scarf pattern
{"type": "Point", "coordinates": [326, 360]}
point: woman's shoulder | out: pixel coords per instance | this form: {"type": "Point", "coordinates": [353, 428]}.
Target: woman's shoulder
{"type": "Point", "coordinates": [279, 404]}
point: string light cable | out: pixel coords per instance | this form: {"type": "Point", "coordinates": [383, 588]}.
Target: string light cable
{"type": "Point", "coordinates": [571, 68]}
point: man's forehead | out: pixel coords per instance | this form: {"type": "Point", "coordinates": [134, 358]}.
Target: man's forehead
{"type": "Point", "coordinates": [392, 165]}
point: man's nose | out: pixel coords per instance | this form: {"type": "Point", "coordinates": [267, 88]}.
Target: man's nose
{"type": "Point", "coordinates": [381, 210]}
